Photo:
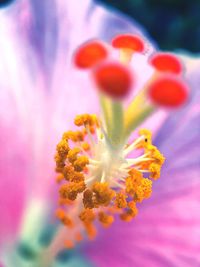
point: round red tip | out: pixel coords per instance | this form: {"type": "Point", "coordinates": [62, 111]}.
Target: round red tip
{"type": "Point", "coordinates": [129, 41]}
{"type": "Point", "coordinates": [168, 92]}
{"type": "Point", "coordinates": [113, 79]}
{"type": "Point", "coordinates": [89, 54]}
{"type": "Point", "coordinates": [166, 62]}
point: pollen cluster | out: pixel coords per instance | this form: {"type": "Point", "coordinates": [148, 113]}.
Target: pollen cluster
{"type": "Point", "coordinates": [95, 182]}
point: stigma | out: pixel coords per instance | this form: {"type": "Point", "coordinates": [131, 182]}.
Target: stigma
{"type": "Point", "coordinates": [101, 180]}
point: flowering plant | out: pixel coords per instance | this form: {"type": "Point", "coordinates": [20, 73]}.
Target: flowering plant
{"type": "Point", "coordinates": [100, 176]}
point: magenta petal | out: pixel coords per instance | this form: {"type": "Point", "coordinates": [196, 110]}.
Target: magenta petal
{"type": "Point", "coordinates": [13, 173]}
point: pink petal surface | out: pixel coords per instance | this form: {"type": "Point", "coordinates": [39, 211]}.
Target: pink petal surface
{"type": "Point", "coordinates": [163, 234]}
{"type": "Point", "coordinates": [41, 92]}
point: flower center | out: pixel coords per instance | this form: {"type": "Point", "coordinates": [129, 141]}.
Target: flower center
{"type": "Point", "coordinates": [105, 162]}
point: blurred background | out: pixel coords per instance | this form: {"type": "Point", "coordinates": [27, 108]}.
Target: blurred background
{"type": "Point", "coordinates": [173, 24]}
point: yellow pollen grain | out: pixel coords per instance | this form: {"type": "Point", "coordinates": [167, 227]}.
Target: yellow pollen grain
{"type": "Point", "coordinates": [87, 215]}
{"type": "Point", "coordinates": [120, 200]}
{"type": "Point", "coordinates": [68, 172]}
{"type": "Point", "coordinates": [155, 171]}
{"type": "Point", "coordinates": [80, 135]}
{"type": "Point", "coordinates": [86, 119]}
{"type": "Point", "coordinates": [70, 135]}
{"type": "Point", "coordinates": [103, 194]}
{"type": "Point", "coordinates": [71, 190]}
{"type": "Point", "coordinates": [132, 207]}
{"type": "Point", "coordinates": [80, 163]}
{"type": "Point", "coordinates": [72, 154]}
{"type": "Point", "coordinates": [91, 230]}
{"type": "Point", "coordinates": [136, 175]}
{"type": "Point", "coordinates": [143, 190]}
{"type": "Point", "coordinates": [77, 177]}
{"type": "Point", "coordinates": [60, 162]}
{"type": "Point", "coordinates": [147, 187]}
{"type": "Point", "coordinates": [88, 199]}
{"type": "Point", "coordinates": [130, 186]}
{"type": "Point", "coordinates": [130, 213]}
{"type": "Point", "coordinates": [105, 219]}
{"type": "Point", "coordinates": [82, 120]}
{"type": "Point", "coordinates": [139, 194]}
{"type": "Point", "coordinates": [155, 154]}
{"type": "Point", "coordinates": [62, 147]}
{"type": "Point", "coordinates": [85, 146]}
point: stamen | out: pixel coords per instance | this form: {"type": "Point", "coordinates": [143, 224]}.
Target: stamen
{"type": "Point", "coordinates": [133, 145]}
{"type": "Point", "coordinates": [102, 183]}
{"type": "Point", "coordinates": [105, 219]}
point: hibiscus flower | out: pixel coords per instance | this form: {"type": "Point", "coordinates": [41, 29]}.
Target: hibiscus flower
{"type": "Point", "coordinates": [41, 93]}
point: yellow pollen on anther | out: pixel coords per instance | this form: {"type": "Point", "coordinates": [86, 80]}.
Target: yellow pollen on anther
{"type": "Point", "coordinates": [103, 194]}
{"type": "Point", "coordinates": [85, 146]}
{"type": "Point", "coordinates": [120, 200]}
{"type": "Point", "coordinates": [80, 163]}
{"type": "Point", "coordinates": [87, 216]}
{"type": "Point", "coordinates": [143, 190]}
{"type": "Point", "coordinates": [70, 191]}
{"type": "Point", "coordinates": [88, 201]}
{"type": "Point", "coordinates": [72, 155]}
{"type": "Point", "coordinates": [86, 119]}
{"type": "Point", "coordinates": [105, 219]}
{"type": "Point", "coordinates": [130, 213]}
{"type": "Point", "coordinates": [155, 170]}
{"type": "Point", "coordinates": [97, 182]}
{"type": "Point", "coordinates": [63, 148]}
